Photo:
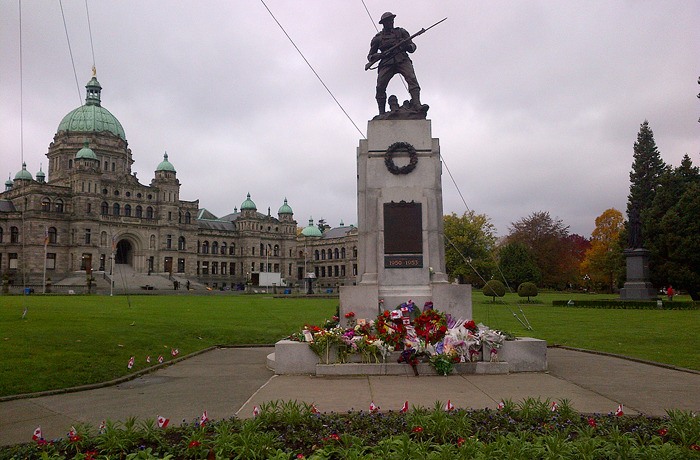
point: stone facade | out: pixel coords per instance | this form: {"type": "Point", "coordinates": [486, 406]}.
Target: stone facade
{"type": "Point", "coordinates": [92, 211]}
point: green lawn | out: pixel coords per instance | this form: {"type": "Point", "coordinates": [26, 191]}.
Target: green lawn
{"type": "Point", "coordinates": [71, 340]}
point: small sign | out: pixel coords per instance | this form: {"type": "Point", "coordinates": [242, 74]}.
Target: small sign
{"type": "Point", "coordinates": [308, 336]}
{"type": "Point", "coordinates": [408, 261]}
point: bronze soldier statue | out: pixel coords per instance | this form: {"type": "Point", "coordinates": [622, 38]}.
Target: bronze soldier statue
{"type": "Point", "coordinates": [393, 59]}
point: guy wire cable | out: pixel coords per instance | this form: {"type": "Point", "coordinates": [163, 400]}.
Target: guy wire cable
{"type": "Point", "coordinates": [70, 51]}
{"type": "Point", "coordinates": [313, 70]}
{"type": "Point", "coordinates": [92, 47]}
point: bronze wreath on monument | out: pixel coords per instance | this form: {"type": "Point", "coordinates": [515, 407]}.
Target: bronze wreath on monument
{"type": "Point", "coordinates": [389, 158]}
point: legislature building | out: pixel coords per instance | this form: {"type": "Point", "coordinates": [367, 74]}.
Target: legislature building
{"type": "Point", "coordinates": [89, 217]}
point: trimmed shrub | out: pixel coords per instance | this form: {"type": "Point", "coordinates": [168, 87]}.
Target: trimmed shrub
{"type": "Point", "coordinates": [493, 289]}
{"type": "Point", "coordinates": [527, 289]}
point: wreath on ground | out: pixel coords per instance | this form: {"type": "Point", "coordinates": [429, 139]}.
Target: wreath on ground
{"type": "Point", "coordinates": [389, 158]}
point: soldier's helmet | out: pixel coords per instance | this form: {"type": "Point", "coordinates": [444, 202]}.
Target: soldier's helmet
{"type": "Point", "coordinates": [385, 16]}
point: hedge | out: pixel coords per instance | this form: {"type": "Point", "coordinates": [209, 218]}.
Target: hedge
{"type": "Point", "coordinates": [629, 304]}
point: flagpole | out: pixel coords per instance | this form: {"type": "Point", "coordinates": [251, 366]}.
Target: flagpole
{"type": "Point", "coordinates": [46, 244]}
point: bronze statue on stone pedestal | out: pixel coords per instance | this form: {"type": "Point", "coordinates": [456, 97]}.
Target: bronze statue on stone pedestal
{"type": "Point", "coordinates": [390, 47]}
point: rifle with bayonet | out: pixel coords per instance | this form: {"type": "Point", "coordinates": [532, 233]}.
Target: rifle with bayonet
{"type": "Point", "coordinates": [391, 51]}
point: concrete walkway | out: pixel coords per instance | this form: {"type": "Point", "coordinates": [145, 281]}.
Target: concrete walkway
{"type": "Point", "coordinates": [228, 382]}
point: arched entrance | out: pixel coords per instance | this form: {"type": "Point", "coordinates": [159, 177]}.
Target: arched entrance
{"type": "Point", "coordinates": [125, 253]}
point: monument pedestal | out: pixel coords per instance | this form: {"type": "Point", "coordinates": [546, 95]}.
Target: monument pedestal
{"type": "Point", "coordinates": [401, 248]}
{"type": "Point", "coordinates": [637, 286]}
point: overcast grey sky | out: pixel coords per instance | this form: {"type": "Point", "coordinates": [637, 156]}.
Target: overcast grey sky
{"type": "Point", "coordinates": [537, 105]}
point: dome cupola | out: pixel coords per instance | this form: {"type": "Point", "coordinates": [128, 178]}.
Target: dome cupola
{"type": "Point", "coordinates": [248, 205]}
{"type": "Point", "coordinates": [285, 208]}
{"type": "Point", "coordinates": [311, 230]}
{"type": "Point", "coordinates": [92, 117]}
{"type": "Point", "coordinates": [165, 165]}
{"type": "Point", "coordinates": [24, 174]}
{"type": "Point", "coordinates": [86, 152]}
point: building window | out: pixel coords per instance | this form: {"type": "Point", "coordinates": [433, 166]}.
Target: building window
{"type": "Point", "coordinates": [88, 207]}
{"type": "Point", "coordinates": [127, 210]}
{"type": "Point", "coordinates": [181, 265]}
{"type": "Point", "coordinates": [113, 167]}
{"type": "Point", "coordinates": [103, 259]}
{"type": "Point", "coordinates": [336, 253]}
{"type": "Point", "coordinates": [153, 242]}
{"type": "Point", "coordinates": [169, 242]}
{"type": "Point", "coordinates": [253, 249]}
{"type": "Point", "coordinates": [354, 269]}
{"type": "Point", "coordinates": [46, 205]}
{"type": "Point", "coordinates": [58, 206]}
{"type": "Point", "coordinates": [205, 268]}
{"type": "Point", "coordinates": [149, 213]}
{"type": "Point", "coordinates": [262, 267]}
{"type": "Point", "coordinates": [342, 253]}
{"type": "Point", "coordinates": [170, 215]}
{"type": "Point", "coordinates": [232, 249]}
{"type": "Point", "coordinates": [52, 234]}
{"type": "Point", "coordinates": [232, 268]}
{"type": "Point", "coordinates": [1, 231]}
{"type": "Point", "coordinates": [342, 270]}
{"type": "Point", "coordinates": [188, 217]}
{"type": "Point", "coordinates": [215, 248]}
{"type": "Point", "coordinates": [115, 209]}
{"type": "Point", "coordinates": [181, 243]}
{"type": "Point", "coordinates": [104, 208]}
{"type": "Point", "coordinates": [317, 254]}
{"type": "Point", "coordinates": [223, 249]}
{"type": "Point", "coordinates": [354, 251]}
{"type": "Point", "coordinates": [50, 261]}
{"type": "Point", "coordinates": [13, 260]}
{"type": "Point", "coordinates": [139, 211]}
{"type": "Point", "coordinates": [205, 247]}
{"type": "Point", "coordinates": [70, 164]}
{"type": "Point", "coordinates": [106, 165]}
{"type": "Point", "coordinates": [215, 268]}
{"type": "Point", "coordinates": [14, 235]}
{"type": "Point", "coordinates": [223, 268]}
{"type": "Point", "coordinates": [87, 236]}
{"type": "Point", "coordinates": [276, 250]}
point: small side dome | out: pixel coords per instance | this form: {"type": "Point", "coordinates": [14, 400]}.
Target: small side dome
{"type": "Point", "coordinates": [86, 152]}
{"type": "Point", "coordinates": [311, 230]}
{"type": "Point", "coordinates": [285, 208]}
{"type": "Point", "coordinates": [8, 184]}
{"type": "Point", "coordinates": [40, 176]}
{"type": "Point", "coordinates": [165, 165]}
{"type": "Point", "coordinates": [23, 174]}
{"type": "Point", "coordinates": [248, 204]}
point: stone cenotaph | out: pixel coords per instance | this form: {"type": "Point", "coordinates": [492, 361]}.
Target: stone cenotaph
{"type": "Point", "coordinates": [401, 245]}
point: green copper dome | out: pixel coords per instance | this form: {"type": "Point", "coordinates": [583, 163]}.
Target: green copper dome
{"type": "Point", "coordinates": [165, 165]}
{"type": "Point", "coordinates": [23, 174]}
{"type": "Point", "coordinates": [92, 117]}
{"type": "Point", "coordinates": [311, 230]}
{"type": "Point", "coordinates": [285, 208]}
{"type": "Point", "coordinates": [8, 182]}
{"type": "Point", "coordinates": [248, 204]}
{"type": "Point", "coordinates": [86, 152]}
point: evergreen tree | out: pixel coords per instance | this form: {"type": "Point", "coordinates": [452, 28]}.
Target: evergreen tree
{"type": "Point", "coordinates": [672, 227]}
{"type": "Point", "coordinates": [647, 170]}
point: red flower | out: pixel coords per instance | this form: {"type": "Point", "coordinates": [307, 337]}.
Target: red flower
{"type": "Point", "coordinates": [695, 447]}
{"type": "Point", "coordinates": [350, 314]}
{"type": "Point", "coordinates": [90, 455]}
{"type": "Point", "coordinates": [194, 444]}
{"type": "Point", "coordinates": [300, 456]}
{"type": "Point", "coordinates": [74, 438]}
{"type": "Point", "coordinates": [663, 431]}
{"type": "Point", "coordinates": [460, 441]}
{"type": "Point", "coordinates": [591, 422]}
{"type": "Point", "coordinates": [417, 429]}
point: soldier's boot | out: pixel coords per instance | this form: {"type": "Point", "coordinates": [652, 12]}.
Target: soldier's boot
{"type": "Point", "coordinates": [415, 99]}
{"type": "Point", "coordinates": [381, 103]}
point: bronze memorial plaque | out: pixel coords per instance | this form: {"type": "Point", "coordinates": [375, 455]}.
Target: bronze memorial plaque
{"type": "Point", "coordinates": [403, 235]}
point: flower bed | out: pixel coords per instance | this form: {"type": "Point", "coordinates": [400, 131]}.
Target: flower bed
{"type": "Point", "coordinates": [284, 430]}
{"type": "Point", "coordinates": [428, 341]}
